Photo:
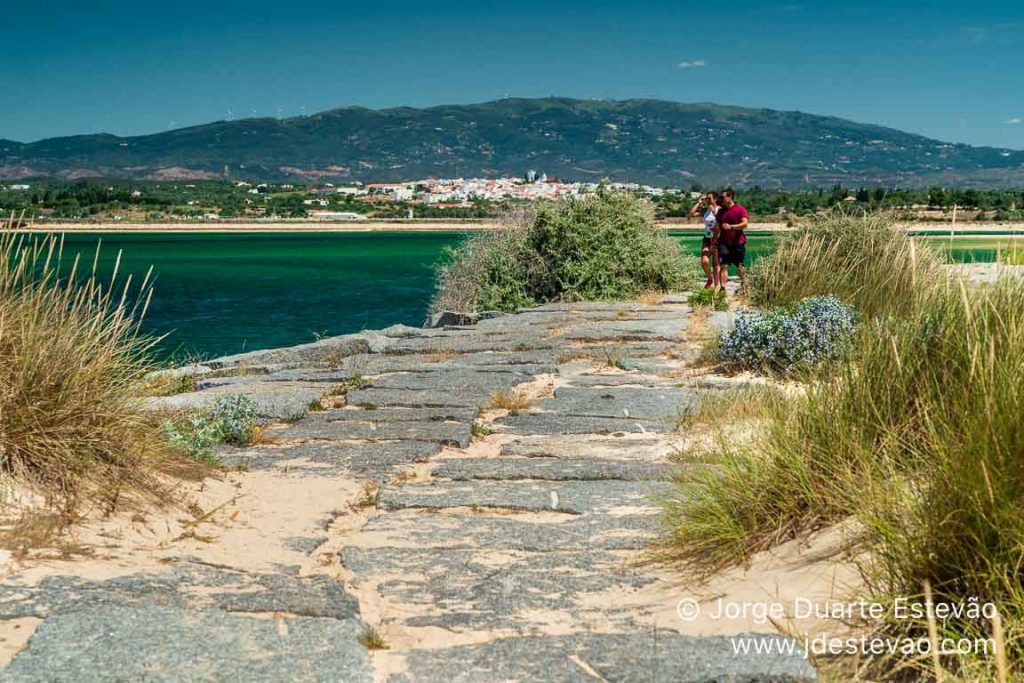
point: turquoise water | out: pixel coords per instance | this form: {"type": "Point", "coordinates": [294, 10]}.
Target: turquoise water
{"type": "Point", "coordinates": [216, 294]}
{"type": "Point", "coordinates": [220, 293]}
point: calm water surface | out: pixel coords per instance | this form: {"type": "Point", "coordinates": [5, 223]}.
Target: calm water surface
{"type": "Point", "coordinates": [224, 293]}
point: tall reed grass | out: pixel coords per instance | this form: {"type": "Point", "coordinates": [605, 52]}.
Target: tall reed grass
{"type": "Point", "coordinates": [918, 437]}
{"type": "Point", "coordinates": [71, 362]}
{"type": "Point", "coordinates": [868, 262]}
{"type": "Point", "coordinates": [1014, 256]}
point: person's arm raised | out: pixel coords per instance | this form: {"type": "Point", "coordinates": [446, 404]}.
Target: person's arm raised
{"type": "Point", "coordinates": [695, 211]}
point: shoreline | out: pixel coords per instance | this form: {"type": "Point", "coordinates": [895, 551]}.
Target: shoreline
{"type": "Point", "coordinates": [975, 229]}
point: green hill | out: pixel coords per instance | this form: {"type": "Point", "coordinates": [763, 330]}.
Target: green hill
{"type": "Point", "coordinates": [649, 141]}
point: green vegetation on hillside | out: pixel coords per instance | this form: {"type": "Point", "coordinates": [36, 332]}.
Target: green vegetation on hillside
{"type": "Point", "coordinates": [604, 247]}
{"type": "Point", "coordinates": [649, 141]}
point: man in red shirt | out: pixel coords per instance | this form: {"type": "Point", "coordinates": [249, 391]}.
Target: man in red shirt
{"type": "Point", "coordinates": [732, 221]}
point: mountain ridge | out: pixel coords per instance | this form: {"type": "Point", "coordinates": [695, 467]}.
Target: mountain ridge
{"type": "Point", "coordinates": [641, 140]}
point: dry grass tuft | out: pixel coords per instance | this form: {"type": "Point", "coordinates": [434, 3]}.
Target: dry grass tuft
{"type": "Point", "coordinates": [651, 297]}
{"type": "Point", "coordinates": [441, 354]}
{"type": "Point", "coordinates": [514, 399]}
{"type": "Point", "coordinates": [368, 496]}
{"type": "Point", "coordinates": [372, 639]}
{"type": "Point", "coordinates": [72, 361]}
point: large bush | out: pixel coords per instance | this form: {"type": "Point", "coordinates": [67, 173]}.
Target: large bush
{"type": "Point", "coordinates": [816, 330]}
{"type": "Point", "coordinates": [601, 247]}
{"type": "Point", "coordinates": [71, 361]}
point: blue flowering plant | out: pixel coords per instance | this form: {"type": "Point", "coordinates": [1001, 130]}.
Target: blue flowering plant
{"type": "Point", "coordinates": [815, 330]}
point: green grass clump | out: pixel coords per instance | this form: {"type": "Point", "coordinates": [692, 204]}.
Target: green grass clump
{"type": "Point", "coordinates": [709, 298]}
{"type": "Point", "coordinates": [870, 263]}
{"type": "Point", "coordinates": [601, 247]}
{"type": "Point", "coordinates": [71, 366]}
{"type": "Point", "coordinates": [917, 437]}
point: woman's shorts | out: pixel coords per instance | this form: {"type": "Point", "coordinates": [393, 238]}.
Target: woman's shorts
{"type": "Point", "coordinates": [706, 244]}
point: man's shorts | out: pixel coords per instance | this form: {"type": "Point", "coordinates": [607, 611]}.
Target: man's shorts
{"type": "Point", "coordinates": [732, 254]}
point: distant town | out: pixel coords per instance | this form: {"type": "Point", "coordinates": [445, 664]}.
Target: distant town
{"type": "Point", "coordinates": [112, 201]}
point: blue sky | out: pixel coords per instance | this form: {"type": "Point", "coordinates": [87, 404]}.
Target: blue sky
{"type": "Point", "coordinates": [951, 70]}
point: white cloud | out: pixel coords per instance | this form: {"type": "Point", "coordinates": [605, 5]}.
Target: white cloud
{"type": "Point", "coordinates": [695, 64]}
{"type": "Point", "coordinates": [1015, 121]}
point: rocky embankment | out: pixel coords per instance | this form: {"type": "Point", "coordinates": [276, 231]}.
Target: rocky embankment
{"type": "Point", "coordinates": [452, 504]}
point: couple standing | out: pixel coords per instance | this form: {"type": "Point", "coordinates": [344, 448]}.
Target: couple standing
{"type": "Point", "coordinates": [724, 238]}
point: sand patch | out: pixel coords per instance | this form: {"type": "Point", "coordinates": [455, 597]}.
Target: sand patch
{"type": "Point", "coordinates": [240, 521]}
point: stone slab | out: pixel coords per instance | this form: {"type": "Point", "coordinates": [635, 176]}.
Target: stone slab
{"type": "Point", "coordinates": [380, 460]}
{"type": "Point", "coordinates": [624, 380]}
{"type": "Point", "coordinates": [162, 643]}
{"type": "Point", "coordinates": [551, 469]}
{"type": "Point", "coordinates": [451, 397]}
{"type": "Point", "coordinates": [653, 657]}
{"type": "Point", "coordinates": [573, 447]}
{"type": "Point", "coordinates": [573, 497]}
{"type": "Point", "coordinates": [458, 434]}
{"type": "Point", "coordinates": [428, 529]}
{"type": "Point", "coordinates": [323, 351]}
{"type": "Point", "coordinates": [530, 423]}
{"type": "Point", "coordinates": [443, 414]}
{"type": "Point", "coordinates": [608, 353]}
{"type": "Point", "coordinates": [655, 403]}
{"type": "Point", "coordinates": [469, 343]}
{"type": "Point", "coordinates": [460, 379]}
{"type": "Point", "coordinates": [631, 330]}
{"type": "Point", "coordinates": [466, 590]}
{"type": "Point", "coordinates": [504, 359]}
{"type": "Point", "coordinates": [184, 585]}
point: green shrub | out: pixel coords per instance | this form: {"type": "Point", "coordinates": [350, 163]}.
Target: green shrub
{"type": "Point", "coordinates": [71, 366]}
{"type": "Point", "coordinates": [236, 416]}
{"type": "Point", "coordinates": [231, 419]}
{"type": "Point", "coordinates": [601, 247]}
{"type": "Point", "coordinates": [707, 297]}
{"type": "Point", "coordinates": [194, 434]}
{"type": "Point", "coordinates": [869, 262]}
